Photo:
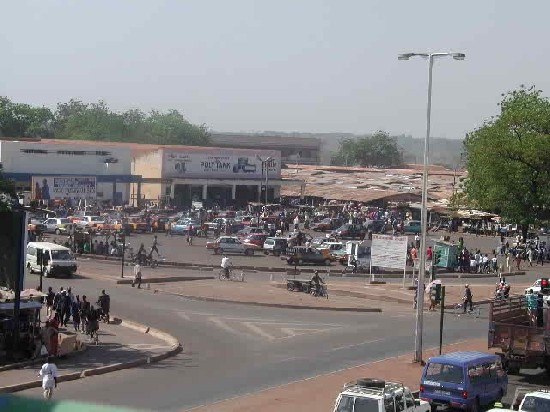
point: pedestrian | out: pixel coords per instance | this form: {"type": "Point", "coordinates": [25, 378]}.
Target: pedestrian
{"type": "Point", "coordinates": [467, 298]}
{"type": "Point", "coordinates": [137, 275]}
{"type": "Point", "coordinates": [49, 375]}
{"type": "Point", "coordinates": [49, 302]}
{"type": "Point", "coordinates": [76, 313]}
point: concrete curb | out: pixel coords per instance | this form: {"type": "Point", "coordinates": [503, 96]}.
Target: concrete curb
{"type": "Point", "coordinates": [128, 281]}
{"type": "Point", "coordinates": [39, 361]}
{"type": "Point", "coordinates": [336, 273]}
{"type": "Point", "coordinates": [175, 348]}
{"type": "Point", "coordinates": [274, 305]}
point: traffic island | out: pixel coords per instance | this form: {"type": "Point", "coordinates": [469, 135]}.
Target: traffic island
{"type": "Point", "coordinates": [122, 345]}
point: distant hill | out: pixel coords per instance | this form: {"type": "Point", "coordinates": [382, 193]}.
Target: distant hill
{"type": "Point", "coordinates": [444, 152]}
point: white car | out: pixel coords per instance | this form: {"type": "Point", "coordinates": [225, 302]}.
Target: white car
{"type": "Point", "coordinates": [535, 287]}
{"type": "Point", "coordinates": [89, 221]}
{"type": "Point", "coordinates": [230, 244]}
{"type": "Point", "coordinates": [536, 401]}
{"type": "Point", "coordinates": [57, 225]}
{"type": "Point", "coordinates": [376, 395]}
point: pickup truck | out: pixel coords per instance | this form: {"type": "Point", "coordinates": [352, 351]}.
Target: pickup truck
{"type": "Point", "coordinates": [375, 395]}
{"type": "Point", "coordinates": [522, 343]}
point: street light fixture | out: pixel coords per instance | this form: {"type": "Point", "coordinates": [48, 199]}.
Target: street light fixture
{"type": "Point", "coordinates": [424, 211]}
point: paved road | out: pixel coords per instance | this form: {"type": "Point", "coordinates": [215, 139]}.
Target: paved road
{"type": "Point", "coordinates": [175, 248]}
{"type": "Point", "coordinates": [231, 349]}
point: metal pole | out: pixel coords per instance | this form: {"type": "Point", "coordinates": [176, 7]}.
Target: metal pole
{"type": "Point", "coordinates": [441, 318]}
{"type": "Point", "coordinates": [123, 251]}
{"type": "Point", "coordinates": [266, 182]}
{"type": "Point", "coordinates": [424, 221]}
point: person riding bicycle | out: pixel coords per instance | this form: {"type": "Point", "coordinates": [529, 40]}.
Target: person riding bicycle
{"type": "Point", "coordinates": [316, 280]}
{"type": "Point", "coordinates": [141, 254]}
{"type": "Point", "coordinates": [93, 321]}
{"type": "Point", "coordinates": [226, 265]}
{"type": "Point", "coordinates": [353, 262]}
{"type": "Point", "coordinates": [104, 303]}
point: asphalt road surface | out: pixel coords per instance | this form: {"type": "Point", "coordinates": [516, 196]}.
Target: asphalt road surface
{"type": "Point", "coordinates": [231, 349]}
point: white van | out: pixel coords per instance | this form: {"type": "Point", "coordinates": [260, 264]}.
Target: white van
{"type": "Point", "coordinates": [56, 259]}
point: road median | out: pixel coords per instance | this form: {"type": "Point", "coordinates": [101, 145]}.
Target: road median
{"type": "Point", "coordinates": [173, 348]}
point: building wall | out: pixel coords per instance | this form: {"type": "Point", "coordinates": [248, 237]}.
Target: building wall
{"type": "Point", "coordinates": [149, 166]}
{"type": "Point", "coordinates": [43, 159]}
{"type": "Point", "coordinates": [293, 149]}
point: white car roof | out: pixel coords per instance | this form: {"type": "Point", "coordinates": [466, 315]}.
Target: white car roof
{"type": "Point", "coordinates": [542, 393]}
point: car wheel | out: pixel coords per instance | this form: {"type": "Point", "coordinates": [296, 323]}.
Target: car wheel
{"type": "Point", "coordinates": [300, 261]}
{"type": "Point", "coordinates": [57, 231]}
{"type": "Point", "coordinates": [248, 252]}
{"type": "Point", "coordinates": [45, 273]}
{"type": "Point", "coordinates": [327, 262]}
{"type": "Point", "coordinates": [217, 251]}
{"type": "Point", "coordinates": [476, 407]}
{"type": "Point", "coordinates": [29, 268]}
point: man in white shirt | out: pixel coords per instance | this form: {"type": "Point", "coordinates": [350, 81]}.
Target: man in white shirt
{"type": "Point", "coordinates": [226, 264]}
{"type": "Point", "coordinates": [137, 275]}
{"type": "Point", "coordinates": [49, 375]}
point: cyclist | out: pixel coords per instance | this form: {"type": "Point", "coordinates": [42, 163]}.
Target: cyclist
{"type": "Point", "coordinates": [226, 265]}
{"type": "Point", "coordinates": [93, 322]}
{"type": "Point", "coordinates": [316, 280]}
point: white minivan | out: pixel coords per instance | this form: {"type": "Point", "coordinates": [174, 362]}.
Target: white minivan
{"type": "Point", "coordinates": [56, 259]}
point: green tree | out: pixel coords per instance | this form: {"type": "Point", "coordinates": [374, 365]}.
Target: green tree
{"type": "Point", "coordinates": [172, 128]}
{"type": "Point", "coordinates": [378, 150]}
{"type": "Point", "coordinates": [23, 120]}
{"type": "Point", "coordinates": [508, 159]}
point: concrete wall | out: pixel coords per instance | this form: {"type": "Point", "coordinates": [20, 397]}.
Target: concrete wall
{"type": "Point", "coordinates": [149, 166]}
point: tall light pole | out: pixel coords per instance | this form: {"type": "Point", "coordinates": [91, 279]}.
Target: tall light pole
{"type": "Point", "coordinates": [265, 164]}
{"type": "Point", "coordinates": [424, 211]}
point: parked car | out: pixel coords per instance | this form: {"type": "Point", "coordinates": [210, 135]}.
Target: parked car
{"type": "Point", "coordinates": [257, 239]}
{"type": "Point", "coordinates": [535, 401]}
{"type": "Point", "coordinates": [230, 244]}
{"type": "Point", "coordinates": [349, 230]}
{"type": "Point", "coordinates": [320, 242]}
{"type": "Point", "coordinates": [299, 255]}
{"type": "Point", "coordinates": [377, 395]}
{"type": "Point", "coordinates": [412, 226]}
{"type": "Point", "coordinates": [57, 225]}
{"type": "Point", "coordinates": [89, 222]}
{"type": "Point", "coordinates": [250, 230]}
{"type": "Point", "coordinates": [326, 224]}
{"type": "Point", "coordinates": [181, 227]}
{"type": "Point", "coordinates": [375, 226]}
{"type": "Point", "coordinates": [275, 245]}
{"type": "Point", "coordinates": [160, 224]}
{"type": "Point", "coordinates": [137, 224]}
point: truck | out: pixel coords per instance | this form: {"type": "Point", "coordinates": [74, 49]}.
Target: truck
{"type": "Point", "coordinates": [522, 337]}
{"type": "Point", "coordinates": [377, 395]}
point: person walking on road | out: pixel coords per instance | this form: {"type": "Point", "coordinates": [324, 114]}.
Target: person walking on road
{"type": "Point", "coordinates": [137, 275]}
{"type": "Point", "coordinates": [49, 375]}
{"type": "Point", "coordinates": [467, 298]}
{"type": "Point", "coordinates": [226, 264]}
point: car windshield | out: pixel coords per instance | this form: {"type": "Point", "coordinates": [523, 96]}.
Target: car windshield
{"type": "Point", "coordinates": [441, 372]}
{"type": "Point", "coordinates": [535, 404]}
{"type": "Point", "coordinates": [64, 221]}
{"type": "Point", "coordinates": [61, 255]}
{"type": "Point", "coordinates": [351, 404]}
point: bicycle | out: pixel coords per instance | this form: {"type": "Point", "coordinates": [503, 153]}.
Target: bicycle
{"type": "Point", "coordinates": [238, 277]}
{"type": "Point", "coordinates": [459, 310]}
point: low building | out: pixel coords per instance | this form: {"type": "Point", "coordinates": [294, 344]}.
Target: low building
{"type": "Point", "coordinates": [301, 150]}
{"type": "Point", "coordinates": [61, 169]}
{"type": "Point", "coordinates": [187, 175]}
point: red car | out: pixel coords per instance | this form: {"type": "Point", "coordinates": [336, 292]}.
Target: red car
{"type": "Point", "coordinates": [257, 239]}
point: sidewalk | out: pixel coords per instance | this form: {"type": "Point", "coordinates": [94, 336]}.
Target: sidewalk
{"type": "Point", "coordinates": [319, 393]}
{"type": "Point", "coordinates": [117, 344]}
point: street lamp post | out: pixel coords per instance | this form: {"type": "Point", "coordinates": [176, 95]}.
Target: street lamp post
{"type": "Point", "coordinates": [424, 211]}
{"type": "Point", "coordinates": [265, 164]}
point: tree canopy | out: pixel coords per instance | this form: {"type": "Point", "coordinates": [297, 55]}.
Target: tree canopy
{"type": "Point", "coordinates": [377, 150]}
{"type": "Point", "coordinates": [508, 159]}
{"type": "Point", "coordinates": [96, 121]}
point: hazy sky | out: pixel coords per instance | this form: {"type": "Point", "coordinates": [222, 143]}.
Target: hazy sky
{"type": "Point", "coordinates": [287, 65]}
